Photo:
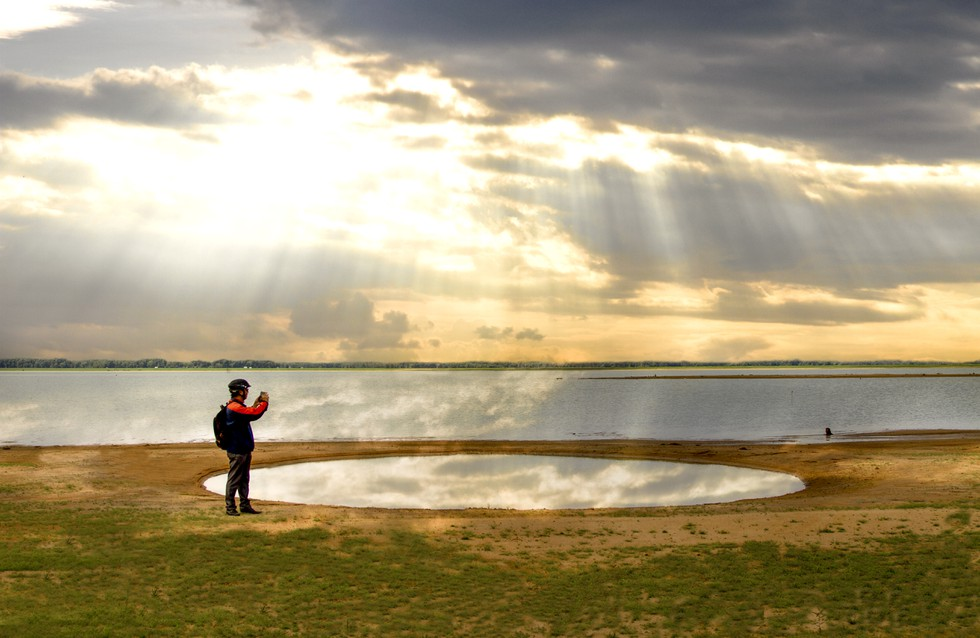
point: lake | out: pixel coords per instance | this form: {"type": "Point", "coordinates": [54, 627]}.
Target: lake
{"type": "Point", "coordinates": [82, 407]}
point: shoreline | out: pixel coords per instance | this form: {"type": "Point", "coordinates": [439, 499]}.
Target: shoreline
{"type": "Point", "coordinates": [196, 461]}
{"type": "Point", "coordinates": [127, 532]}
{"type": "Point", "coordinates": [819, 375]}
{"type": "Point", "coordinates": [860, 490]}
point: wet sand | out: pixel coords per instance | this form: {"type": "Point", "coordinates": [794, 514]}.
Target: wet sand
{"type": "Point", "coordinates": [856, 490]}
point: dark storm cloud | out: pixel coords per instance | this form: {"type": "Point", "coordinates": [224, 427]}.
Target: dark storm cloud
{"type": "Point", "coordinates": [154, 99]}
{"type": "Point", "coordinates": [862, 80]}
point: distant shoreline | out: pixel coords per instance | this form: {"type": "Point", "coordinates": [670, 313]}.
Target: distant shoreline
{"type": "Point", "coordinates": [738, 372]}
{"type": "Point", "coordinates": [26, 363]}
{"type": "Point", "coordinates": [846, 375]}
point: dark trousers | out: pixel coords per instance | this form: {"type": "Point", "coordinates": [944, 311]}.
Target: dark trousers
{"type": "Point", "coordinates": [239, 466]}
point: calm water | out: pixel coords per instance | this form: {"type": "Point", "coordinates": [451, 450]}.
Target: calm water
{"type": "Point", "coordinates": [460, 481]}
{"type": "Point", "coordinates": [166, 406]}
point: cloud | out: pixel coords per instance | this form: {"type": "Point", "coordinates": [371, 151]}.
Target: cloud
{"type": "Point", "coordinates": [46, 14]}
{"type": "Point", "coordinates": [351, 319]}
{"type": "Point", "coordinates": [386, 333]}
{"type": "Point", "coordinates": [493, 333]}
{"type": "Point", "coordinates": [860, 80]}
{"type": "Point", "coordinates": [155, 97]}
{"type": "Point", "coordinates": [708, 213]}
{"type": "Point", "coordinates": [778, 171]}
{"type": "Point", "coordinates": [411, 106]}
{"type": "Point", "coordinates": [753, 303]}
{"type": "Point", "coordinates": [530, 334]}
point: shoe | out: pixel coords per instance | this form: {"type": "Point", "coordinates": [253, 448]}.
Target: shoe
{"type": "Point", "coordinates": [249, 510]}
{"type": "Point", "coordinates": [232, 512]}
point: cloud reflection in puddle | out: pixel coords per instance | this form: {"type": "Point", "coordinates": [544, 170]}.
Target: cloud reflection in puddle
{"type": "Point", "coordinates": [509, 482]}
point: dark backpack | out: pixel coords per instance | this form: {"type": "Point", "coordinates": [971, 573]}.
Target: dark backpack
{"type": "Point", "coordinates": [221, 427]}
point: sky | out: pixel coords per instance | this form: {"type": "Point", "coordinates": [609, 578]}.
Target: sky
{"type": "Point", "coordinates": [451, 180]}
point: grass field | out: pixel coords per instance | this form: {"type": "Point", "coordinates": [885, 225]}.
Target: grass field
{"type": "Point", "coordinates": [123, 541]}
{"type": "Point", "coordinates": [69, 570]}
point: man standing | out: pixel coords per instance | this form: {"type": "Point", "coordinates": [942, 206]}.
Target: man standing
{"type": "Point", "coordinates": [241, 442]}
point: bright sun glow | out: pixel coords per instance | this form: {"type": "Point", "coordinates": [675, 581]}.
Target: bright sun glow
{"type": "Point", "coordinates": [438, 208]}
{"type": "Point", "coordinates": [23, 16]}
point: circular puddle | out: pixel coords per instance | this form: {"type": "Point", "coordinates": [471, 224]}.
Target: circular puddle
{"type": "Point", "coordinates": [522, 482]}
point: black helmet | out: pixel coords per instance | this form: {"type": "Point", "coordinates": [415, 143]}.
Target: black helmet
{"type": "Point", "coordinates": [238, 384]}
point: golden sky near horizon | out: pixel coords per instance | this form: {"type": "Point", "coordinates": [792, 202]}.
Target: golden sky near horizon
{"type": "Point", "coordinates": [450, 181]}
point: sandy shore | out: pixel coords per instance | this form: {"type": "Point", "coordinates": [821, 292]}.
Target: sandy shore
{"type": "Point", "coordinates": [856, 490]}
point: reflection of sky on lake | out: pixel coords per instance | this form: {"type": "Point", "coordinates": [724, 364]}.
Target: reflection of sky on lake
{"type": "Point", "coordinates": [510, 482]}
{"type": "Point", "coordinates": [171, 406]}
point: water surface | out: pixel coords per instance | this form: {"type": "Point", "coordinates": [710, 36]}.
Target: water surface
{"type": "Point", "coordinates": [74, 407]}
{"type": "Point", "coordinates": [524, 482]}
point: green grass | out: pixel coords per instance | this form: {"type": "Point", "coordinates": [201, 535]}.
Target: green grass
{"type": "Point", "coordinates": [960, 518]}
{"type": "Point", "coordinates": [132, 572]}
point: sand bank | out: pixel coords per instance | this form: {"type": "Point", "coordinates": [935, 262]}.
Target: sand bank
{"type": "Point", "coordinates": [856, 490]}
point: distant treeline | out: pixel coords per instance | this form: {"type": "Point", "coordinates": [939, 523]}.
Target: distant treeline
{"type": "Point", "coordinates": [228, 364]}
